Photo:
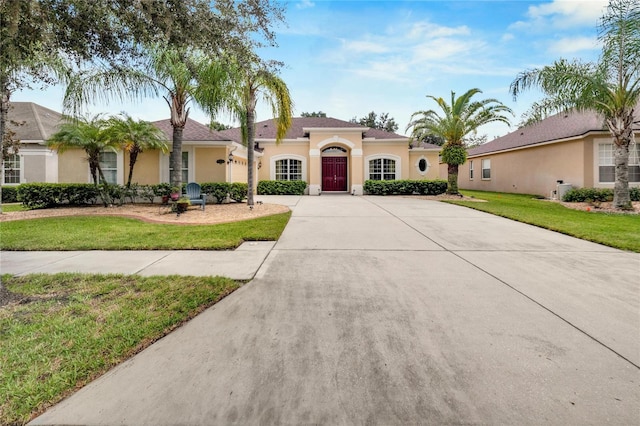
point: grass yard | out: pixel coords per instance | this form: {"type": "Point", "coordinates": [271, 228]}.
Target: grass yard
{"type": "Point", "coordinates": [117, 233]}
{"type": "Point", "coordinates": [13, 207]}
{"type": "Point", "coordinates": [614, 230]}
{"type": "Point", "coordinates": [76, 327]}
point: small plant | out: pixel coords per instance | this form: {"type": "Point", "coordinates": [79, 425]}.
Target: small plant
{"type": "Point", "coordinates": [175, 193]}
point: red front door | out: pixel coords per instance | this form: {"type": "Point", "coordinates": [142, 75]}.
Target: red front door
{"type": "Point", "coordinates": [334, 173]}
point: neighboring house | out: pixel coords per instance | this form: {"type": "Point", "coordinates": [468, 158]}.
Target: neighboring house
{"type": "Point", "coordinates": [34, 162]}
{"type": "Point", "coordinates": [574, 148]}
{"type": "Point", "coordinates": [330, 155]}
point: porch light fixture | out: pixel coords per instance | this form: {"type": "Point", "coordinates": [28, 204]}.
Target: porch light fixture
{"type": "Point", "coordinates": [230, 157]}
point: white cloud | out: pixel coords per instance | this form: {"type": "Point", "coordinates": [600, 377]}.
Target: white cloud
{"type": "Point", "coordinates": [430, 30]}
{"type": "Point", "coordinates": [305, 4]}
{"type": "Point", "coordinates": [440, 49]}
{"type": "Point", "coordinates": [562, 14]}
{"type": "Point", "coordinates": [570, 45]}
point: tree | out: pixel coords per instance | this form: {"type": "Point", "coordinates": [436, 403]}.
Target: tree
{"type": "Point", "coordinates": [216, 125]}
{"type": "Point", "coordinates": [135, 136]}
{"type": "Point", "coordinates": [313, 114]}
{"type": "Point", "coordinates": [383, 122]}
{"type": "Point", "coordinates": [458, 121]}
{"type": "Point", "coordinates": [182, 76]}
{"type": "Point", "coordinates": [610, 86]}
{"type": "Point", "coordinates": [93, 135]}
{"type": "Point", "coordinates": [254, 82]}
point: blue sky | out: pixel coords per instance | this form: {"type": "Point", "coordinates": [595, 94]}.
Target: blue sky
{"type": "Point", "coordinates": [347, 58]}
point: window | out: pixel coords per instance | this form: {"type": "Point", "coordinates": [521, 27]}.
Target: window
{"type": "Point", "coordinates": [486, 169]}
{"type": "Point", "coordinates": [288, 169]}
{"type": "Point", "coordinates": [11, 170]}
{"type": "Point", "coordinates": [185, 166]}
{"type": "Point", "coordinates": [109, 165]}
{"type": "Point", "coordinates": [382, 169]}
{"type": "Point", "coordinates": [471, 170]}
{"type": "Point", "coordinates": [422, 165]}
{"type": "Point", "coordinates": [606, 163]}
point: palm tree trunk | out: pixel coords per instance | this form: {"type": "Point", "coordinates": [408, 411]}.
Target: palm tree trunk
{"type": "Point", "coordinates": [452, 176]}
{"type": "Point", "coordinates": [133, 157]}
{"type": "Point", "coordinates": [250, 142]}
{"type": "Point", "coordinates": [621, 196]}
{"type": "Point", "coordinates": [4, 112]}
{"type": "Point", "coordinates": [176, 157]}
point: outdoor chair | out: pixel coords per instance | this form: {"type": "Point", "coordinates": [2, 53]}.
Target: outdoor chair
{"type": "Point", "coordinates": [195, 195]}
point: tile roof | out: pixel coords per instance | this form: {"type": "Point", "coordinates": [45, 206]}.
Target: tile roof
{"type": "Point", "coordinates": [193, 131]}
{"type": "Point", "coordinates": [39, 122]}
{"type": "Point", "coordinates": [425, 145]}
{"type": "Point", "coordinates": [267, 130]}
{"type": "Point", "coordinates": [553, 128]}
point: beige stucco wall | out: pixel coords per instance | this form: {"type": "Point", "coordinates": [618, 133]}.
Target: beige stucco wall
{"type": "Point", "coordinates": [271, 151]}
{"type": "Point", "coordinates": [73, 167]}
{"type": "Point", "coordinates": [206, 167]}
{"type": "Point", "coordinates": [146, 171]}
{"type": "Point", "coordinates": [532, 170]}
{"type": "Point", "coordinates": [433, 169]}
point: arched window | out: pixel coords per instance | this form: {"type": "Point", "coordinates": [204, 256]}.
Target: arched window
{"type": "Point", "coordinates": [382, 169]}
{"type": "Point", "coordinates": [288, 169]}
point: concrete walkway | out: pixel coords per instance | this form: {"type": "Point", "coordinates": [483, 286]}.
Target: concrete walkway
{"type": "Point", "coordinates": [396, 311]}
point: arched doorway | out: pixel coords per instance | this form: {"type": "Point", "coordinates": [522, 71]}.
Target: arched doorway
{"type": "Point", "coordinates": [334, 169]}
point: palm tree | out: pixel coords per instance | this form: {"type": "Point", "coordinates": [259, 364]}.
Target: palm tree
{"type": "Point", "coordinates": [459, 121]}
{"type": "Point", "coordinates": [93, 135]}
{"type": "Point", "coordinates": [610, 87]}
{"type": "Point", "coordinates": [135, 137]}
{"type": "Point", "coordinates": [253, 83]}
{"type": "Point", "coordinates": [183, 76]}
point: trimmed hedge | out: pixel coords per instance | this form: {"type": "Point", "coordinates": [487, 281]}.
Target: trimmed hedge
{"type": "Point", "coordinates": [281, 187]}
{"type": "Point", "coordinates": [405, 187]}
{"type": "Point", "coordinates": [582, 195]}
{"type": "Point", "coordinates": [9, 194]}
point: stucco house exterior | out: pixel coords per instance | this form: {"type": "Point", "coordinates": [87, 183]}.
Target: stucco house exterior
{"type": "Point", "coordinates": [573, 148]}
{"type": "Point", "coordinates": [331, 155]}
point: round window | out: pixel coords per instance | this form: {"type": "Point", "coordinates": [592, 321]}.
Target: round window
{"type": "Point", "coordinates": [422, 165]}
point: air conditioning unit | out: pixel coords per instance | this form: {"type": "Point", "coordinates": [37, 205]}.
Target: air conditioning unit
{"type": "Point", "coordinates": [562, 189]}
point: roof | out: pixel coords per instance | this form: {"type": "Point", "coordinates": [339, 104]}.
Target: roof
{"type": "Point", "coordinates": [193, 131]}
{"type": "Point", "coordinates": [39, 122]}
{"type": "Point", "coordinates": [424, 145]}
{"type": "Point", "coordinates": [554, 128]}
{"type": "Point", "coordinates": [299, 129]}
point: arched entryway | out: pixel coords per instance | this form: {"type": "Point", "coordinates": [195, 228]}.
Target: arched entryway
{"type": "Point", "coordinates": [334, 169]}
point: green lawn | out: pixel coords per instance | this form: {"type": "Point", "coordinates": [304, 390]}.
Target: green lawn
{"type": "Point", "coordinates": [116, 233]}
{"type": "Point", "coordinates": [614, 230]}
{"type": "Point", "coordinates": [13, 207]}
{"type": "Point", "coordinates": [74, 327]}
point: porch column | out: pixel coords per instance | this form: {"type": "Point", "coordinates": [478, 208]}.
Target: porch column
{"type": "Point", "coordinates": [315, 172]}
{"type": "Point", "coordinates": [357, 172]}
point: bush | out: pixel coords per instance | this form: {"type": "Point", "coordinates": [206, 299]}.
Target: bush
{"type": "Point", "coordinates": [281, 187]}
{"type": "Point", "coordinates": [218, 190]}
{"type": "Point", "coordinates": [238, 191]}
{"type": "Point", "coordinates": [9, 194]}
{"type": "Point", "coordinates": [405, 187]}
{"type": "Point", "coordinates": [634, 193]}
{"type": "Point", "coordinates": [581, 195]}
{"type": "Point", "coordinates": [43, 195]}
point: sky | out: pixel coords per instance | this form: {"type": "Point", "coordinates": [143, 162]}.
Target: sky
{"type": "Point", "coordinates": [347, 58]}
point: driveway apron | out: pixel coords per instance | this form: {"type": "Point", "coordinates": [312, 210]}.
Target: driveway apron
{"type": "Point", "coordinates": [381, 310]}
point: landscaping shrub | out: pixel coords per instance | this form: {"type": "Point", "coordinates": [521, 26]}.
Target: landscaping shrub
{"type": "Point", "coordinates": [281, 187]}
{"type": "Point", "coordinates": [43, 195]}
{"type": "Point", "coordinates": [9, 194]}
{"type": "Point", "coordinates": [238, 191]}
{"type": "Point", "coordinates": [218, 190]}
{"type": "Point", "coordinates": [588, 195]}
{"type": "Point", "coordinates": [405, 187]}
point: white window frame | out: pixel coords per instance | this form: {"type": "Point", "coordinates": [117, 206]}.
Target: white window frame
{"type": "Point", "coordinates": [276, 158]}
{"type": "Point", "coordinates": [119, 169]}
{"type": "Point", "coordinates": [470, 169]}
{"type": "Point", "coordinates": [608, 160]}
{"type": "Point", "coordinates": [165, 165]}
{"type": "Point", "coordinates": [368, 159]}
{"type": "Point", "coordinates": [484, 163]}
{"type": "Point", "coordinates": [426, 170]}
{"type": "Point", "coordinates": [20, 171]}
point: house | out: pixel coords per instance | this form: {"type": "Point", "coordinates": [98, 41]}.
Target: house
{"type": "Point", "coordinates": [331, 155]}
{"type": "Point", "coordinates": [574, 148]}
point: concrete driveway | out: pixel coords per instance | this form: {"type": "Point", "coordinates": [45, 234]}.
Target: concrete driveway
{"type": "Point", "coordinates": [396, 311]}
